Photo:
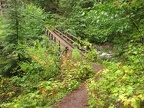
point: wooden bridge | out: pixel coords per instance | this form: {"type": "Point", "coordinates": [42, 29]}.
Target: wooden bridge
{"type": "Point", "coordinates": [66, 41]}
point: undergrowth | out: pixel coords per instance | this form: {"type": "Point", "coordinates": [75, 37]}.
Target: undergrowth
{"type": "Point", "coordinates": [45, 78]}
{"type": "Point", "coordinates": [120, 84]}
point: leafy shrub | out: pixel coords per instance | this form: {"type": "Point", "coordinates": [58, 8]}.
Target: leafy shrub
{"type": "Point", "coordinates": [79, 70]}
{"type": "Point", "coordinates": [105, 21]}
{"type": "Point", "coordinates": [76, 54]}
{"type": "Point", "coordinates": [41, 89]}
{"type": "Point", "coordinates": [92, 55]}
{"type": "Point", "coordinates": [134, 55]}
{"type": "Point", "coordinates": [43, 61]}
{"type": "Point", "coordinates": [118, 85]}
{"type": "Point", "coordinates": [26, 101]}
{"type": "Point", "coordinates": [8, 90]}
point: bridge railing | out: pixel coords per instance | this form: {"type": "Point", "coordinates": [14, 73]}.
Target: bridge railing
{"type": "Point", "coordinates": [65, 37]}
{"type": "Point", "coordinates": [76, 42]}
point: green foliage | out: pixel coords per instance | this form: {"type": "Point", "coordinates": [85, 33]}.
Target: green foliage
{"type": "Point", "coordinates": [27, 101]}
{"type": "Point", "coordinates": [23, 23]}
{"type": "Point", "coordinates": [11, 36]}
{"type": "Point", "coordinates": [43, 80]}
{"type": "Point", "coordinates": [32, 23]}
{"type": "Point", "coordinates": [8, 90]}
{"type": "Point", "coordinates": [44, 95]}
{"type": "Point", "coordinates": [76, 69]}
{"type": "Point", "coordinates": [105, 21]}
{"type": "Point", "coordinates": [113, 21]}
{"type": "Point", "coordinates": [40, 65]}
{"type": "Point", "coordinates": [1, 30]}
{"type": "Point", "coordinates": [43, 61]}
{"type": "Point", "coordinates": [40, 90]}
{"type": "Point", "coordinates": [118, 84]}
{"type": "Point", "coordinates": [76, 54]}
{"type": "Point", "coordinates": [92, 55]}
{"type": "Point", "coordinates": [48, 5]}
{"type": "Point", "coordinates": [134, 55]}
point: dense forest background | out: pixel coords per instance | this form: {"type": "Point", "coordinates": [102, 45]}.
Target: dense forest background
{"type": "Point", "coordinates": [34, 74]}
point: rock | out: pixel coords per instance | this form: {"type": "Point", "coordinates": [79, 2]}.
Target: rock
{"type": "Point", "coordinates": [105, 56]}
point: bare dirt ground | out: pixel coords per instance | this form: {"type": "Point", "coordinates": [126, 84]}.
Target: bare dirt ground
{"type": "Point", "coordinates": [78, 98]}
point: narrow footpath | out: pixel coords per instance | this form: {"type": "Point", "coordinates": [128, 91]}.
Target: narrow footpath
{"type": "Point", "coordinates": [78, 98]}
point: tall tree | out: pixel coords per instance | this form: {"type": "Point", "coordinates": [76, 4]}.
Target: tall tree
{"type": "Point", "coordinates": [24, 24]}
{"type": "Point", "coordinates": [10, 53]}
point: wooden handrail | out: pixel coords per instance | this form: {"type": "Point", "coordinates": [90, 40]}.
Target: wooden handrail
{"type": "Point", "coordinates": [74, 37]}
{"type": "Point", "coordinates": [68, 34]}
{"type": "Point", "coordinates": [77, 40]}
{"type": "Point", "coordinates": [65, 36]}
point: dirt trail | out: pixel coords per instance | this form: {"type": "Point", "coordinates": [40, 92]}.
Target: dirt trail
{"type": "Point", "coordinates": [78, 98]}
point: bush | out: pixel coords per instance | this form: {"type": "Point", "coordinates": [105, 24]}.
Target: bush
{"type": "Point", "coordinates": [43, 61]}
{"type": "Point", "coordinates": [118, 85]}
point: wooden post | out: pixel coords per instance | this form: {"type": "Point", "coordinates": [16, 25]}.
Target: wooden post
{"type": "Point", "coordinates": [66, 51]}
{"type": "Point", "coordinates": [59, 45]}
{"type": "Point", "coordinates": [50, 36]}
{"type": "Point", "coordinates": [54, 39]}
